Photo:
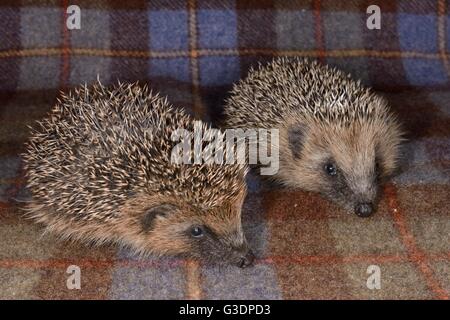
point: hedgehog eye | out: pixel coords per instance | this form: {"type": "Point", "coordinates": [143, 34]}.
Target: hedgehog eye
{"type": "Point", "coordinates": [197, 232]}
{"type": "Point", "coordinates": [330, 169]}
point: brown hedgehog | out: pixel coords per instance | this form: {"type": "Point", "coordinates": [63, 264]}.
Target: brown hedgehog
{"type": "Point", "coordinates": [336, 136]}
{"type": "Point", "coordinates": [99, 169]}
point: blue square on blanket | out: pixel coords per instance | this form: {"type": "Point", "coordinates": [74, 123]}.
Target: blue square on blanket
{"type": "Point", "coordinates": [168, 30]}
{"type": "Point", "coordinates": [418, 32]}
{"type": "Point", "coordinates": [422, 72]}
{"type": "Point", "coordinates": [170, 69]}
{"type": "Point", "coordinates": [219, 71]}
{"type": "Point", "coordinates": [217, 29]}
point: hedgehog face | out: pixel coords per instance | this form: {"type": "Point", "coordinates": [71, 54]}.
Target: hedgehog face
{"type": "Point", "coordinates": [216, 236]}
{"type": "Point", "coordinates": [212, 235]}
{"type": "Point", "coordinates": [347, 164]}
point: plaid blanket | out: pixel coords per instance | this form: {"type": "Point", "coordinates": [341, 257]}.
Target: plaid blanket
{"type": "Point", "coordinates": [192, 51]}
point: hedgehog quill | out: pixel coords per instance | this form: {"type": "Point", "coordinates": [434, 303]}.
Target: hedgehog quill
{"type": "Point", "coordinates": [99, 170]}
{"type": "Point", "coordinates": [337, 137]}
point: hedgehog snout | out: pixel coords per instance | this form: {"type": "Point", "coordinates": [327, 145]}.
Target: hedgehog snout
{"type": "Point", "coordinates": [242, 255]}
{"type": "Point", "coordinates": [365, 198]}
{"type": "Point", "coordinates": [247, 259]}
{"type": "Point", "coordinates": [364, 209]}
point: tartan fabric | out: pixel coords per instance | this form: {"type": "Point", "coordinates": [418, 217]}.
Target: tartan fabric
{"type": "Point", "coordinates": [192, 52]}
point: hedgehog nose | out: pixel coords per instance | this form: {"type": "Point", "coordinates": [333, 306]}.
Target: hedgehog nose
{"type": "Point", "coordinates": [364, 209]}
{"type": "Point", "coordinates": [246, 260]}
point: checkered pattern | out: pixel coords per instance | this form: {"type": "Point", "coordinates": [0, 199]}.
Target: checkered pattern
{"type": "Point", "coordinates": [192, 52]}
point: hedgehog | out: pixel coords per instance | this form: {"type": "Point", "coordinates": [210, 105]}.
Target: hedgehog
{"type": "Point", "coordinates": [336, 137]}
{"type": "Point", "coordinates": [99, 170]}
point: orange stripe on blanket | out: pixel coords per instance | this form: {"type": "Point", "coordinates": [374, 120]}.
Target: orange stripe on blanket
{"type": "Point", "coordinates": [344, 53]}
{"type": "Point", "coordinates": [335, 259]}
{"type": "Point", "coordinates": [65, 53]}
{"type": "Point", "coordinates": [318, 31]}
{"type": "Point", "coordinates": [442, 37]}
{"type": "Point", "coordinates": [193, 280]}
{"type": "Point", "coordinates": [199, 111]}
{"type": "Point", "coordinates": [193, 268]}
{"type": "Point", "coordinates": [85, 263]}
{"type": "Point", "coordinates": [414, 253]}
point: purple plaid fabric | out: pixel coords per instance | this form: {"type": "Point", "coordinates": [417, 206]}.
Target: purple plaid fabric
{"type": "Point", "coordinates": [192, 51]}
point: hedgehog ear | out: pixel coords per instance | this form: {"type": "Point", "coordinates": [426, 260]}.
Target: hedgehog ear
{"type": "Point", "coordinates": [149, 216]}
{"type": "Point", "coordinates": [296, 136]}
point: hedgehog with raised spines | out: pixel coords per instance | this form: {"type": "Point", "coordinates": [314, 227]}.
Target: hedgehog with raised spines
{"type": "Point", "coordinates": [99, 169]}
{"type": "Point", "coordinates": [336, 136]}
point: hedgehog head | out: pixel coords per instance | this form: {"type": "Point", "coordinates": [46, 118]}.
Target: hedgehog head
{"type": "Point", "coordinates": [336, 136]}
{"type": "Point", "coordinates": [171, 226]}
{"type": "Point", "coordinates": [346, 158]}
